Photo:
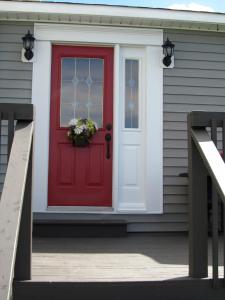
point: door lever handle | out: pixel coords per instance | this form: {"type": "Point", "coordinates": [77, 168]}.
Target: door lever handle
{"type": "Point", "coordinates": [108, 138]}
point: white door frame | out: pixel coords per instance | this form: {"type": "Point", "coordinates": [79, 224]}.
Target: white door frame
{"type": "Point", "coordinates": [148, 39]}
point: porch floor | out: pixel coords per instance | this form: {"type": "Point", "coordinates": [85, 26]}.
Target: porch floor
{"type": "Point", "coordinates": [136, 257]}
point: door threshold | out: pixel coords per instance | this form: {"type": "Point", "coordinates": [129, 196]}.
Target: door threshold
{"type": "Point", "coordinates": [80, 209]}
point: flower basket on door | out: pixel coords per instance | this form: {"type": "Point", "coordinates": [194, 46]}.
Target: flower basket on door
{"type": "Point", "coordinates": [81, 131]}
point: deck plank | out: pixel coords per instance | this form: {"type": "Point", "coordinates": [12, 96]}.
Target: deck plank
{"type": "Point", "coordinates": [137, 257]}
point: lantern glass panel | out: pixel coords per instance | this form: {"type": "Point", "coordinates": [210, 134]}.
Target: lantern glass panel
{"type": "Point", "coordinates": [27, 44]}
{"type": "Point", "coordinates": [169, 51]}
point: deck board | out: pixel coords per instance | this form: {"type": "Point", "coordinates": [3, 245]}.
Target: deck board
{"type": "Point", "coordinates": [137, 257]}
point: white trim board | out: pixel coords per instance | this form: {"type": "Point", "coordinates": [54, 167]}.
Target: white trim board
{"type": "Point", "coordinates": [150, 42]}
{"type": "Point", "coordinates": [95, 34]}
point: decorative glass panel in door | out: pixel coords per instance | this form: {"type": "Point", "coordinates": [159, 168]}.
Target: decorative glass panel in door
{"type": "Point", "coordinates": [82, 90]}
{"type": "Point", "coordinates": [131, 93]}
{"type": "Point", "coordinates": [82, 84]}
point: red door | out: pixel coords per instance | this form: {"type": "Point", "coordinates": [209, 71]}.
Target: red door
{"type": "Point", "coordinates": [81, 87]}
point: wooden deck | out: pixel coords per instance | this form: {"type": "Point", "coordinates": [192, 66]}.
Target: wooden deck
{"type": "Point", "coordinates": [137, 257]}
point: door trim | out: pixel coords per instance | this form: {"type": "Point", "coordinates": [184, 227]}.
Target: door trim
{"type": "Point", "coordinates": [46, 34]}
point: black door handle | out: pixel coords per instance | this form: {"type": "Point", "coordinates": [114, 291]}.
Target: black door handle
{"type": "Point", "coordinates": [108, 139]}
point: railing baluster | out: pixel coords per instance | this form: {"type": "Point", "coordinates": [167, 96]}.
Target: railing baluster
{"type": "Point", "coordinates": [10, 131]}
{"type": "Point", "coordinates": [215, 238]}
{"type": "Point", "coordinates": [214, 131]}
{"type": "Point", "coordinates": [223, 228]}
{"type": "Point", "coordinates": [223, 143]}
{"type": "Point", "coordinates": [223, 245]}
{"type": "Point", "coordinates": [0, 138]}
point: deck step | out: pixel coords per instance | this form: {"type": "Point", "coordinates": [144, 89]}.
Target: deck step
{"type": "Point", "coordinates": [185, 289]}
{"type": "Point", "coordinates": [80, 228]}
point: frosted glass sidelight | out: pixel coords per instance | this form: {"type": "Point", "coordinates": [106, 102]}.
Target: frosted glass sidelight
{"type": "Point", "coordinates": [82, 85]}
{"type": "Point", "coordinates": [131, 93]}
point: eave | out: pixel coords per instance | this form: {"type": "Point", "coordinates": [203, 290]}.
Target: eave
{"type": "Point", "coordinates": [111, 16]}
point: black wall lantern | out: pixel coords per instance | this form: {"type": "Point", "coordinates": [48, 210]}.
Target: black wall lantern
{"type": "Point", "coordinates": [168, 51]}
{"type": "Point", "coordinates": [28, 45]}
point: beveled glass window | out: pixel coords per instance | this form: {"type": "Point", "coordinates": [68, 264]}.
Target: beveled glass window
{"type": "Point", "coordinates": [82, 90]}
{"type": "Point", "coordinates": [131, 93]}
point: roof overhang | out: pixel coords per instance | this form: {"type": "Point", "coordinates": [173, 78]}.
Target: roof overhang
{"type": "Point", "coordinates": [111, 15]}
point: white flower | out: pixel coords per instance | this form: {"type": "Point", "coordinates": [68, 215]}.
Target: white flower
{"type": "Point", "coordinates": [73, 122]}
{"type": "Point", "coordinates": [78, 130]}
{"type": "Point", "coordinates": [83, 127]}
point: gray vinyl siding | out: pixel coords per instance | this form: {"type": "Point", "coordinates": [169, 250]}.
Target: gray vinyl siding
{"type": "Point", "coordinates": [15, 76]}
{"type": "Point", "coordinates": [196, 83]}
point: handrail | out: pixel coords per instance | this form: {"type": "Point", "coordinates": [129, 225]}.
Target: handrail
{"type": "Point", "coordinates": [15, 196]}
{"type": "Point", "coordinates": [211, 158]}
{"type": "Point", "coordinates": [204, 161]}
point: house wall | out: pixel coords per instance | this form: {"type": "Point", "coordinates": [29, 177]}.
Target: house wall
{"type": "Point", "coordinates": [196, 83]}
{"type": "Point", "coordinates": [15, 76]}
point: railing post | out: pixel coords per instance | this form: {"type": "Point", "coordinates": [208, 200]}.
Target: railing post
{"type": "Point", "coordinates": [24, 247]}
{"type": "Point", "coordinates": [198, 224]}
{"type": "Point", "coordinates": [215, 212]}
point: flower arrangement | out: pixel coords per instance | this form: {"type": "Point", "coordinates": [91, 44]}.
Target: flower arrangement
{"type": "Point", "coordinates": [81, 131]}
